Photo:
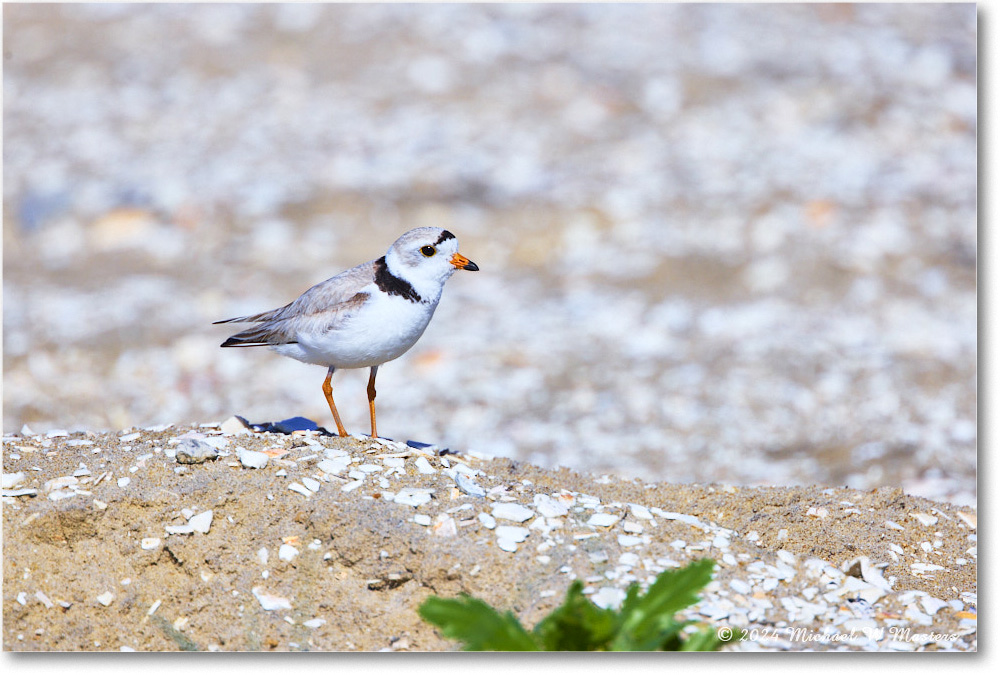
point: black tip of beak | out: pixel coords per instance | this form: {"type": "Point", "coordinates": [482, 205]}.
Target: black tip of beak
{"type": "Point", "coordinates": [472, 267]}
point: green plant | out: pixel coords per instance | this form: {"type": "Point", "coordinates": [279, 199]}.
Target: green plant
{"type": "Point", "coordinates": [645, 622]}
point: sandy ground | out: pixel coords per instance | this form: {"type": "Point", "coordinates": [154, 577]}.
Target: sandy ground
{"type": "Point", "coordinates": [718, 243]}
{"type": "Point", "coordinates": [82, 572]}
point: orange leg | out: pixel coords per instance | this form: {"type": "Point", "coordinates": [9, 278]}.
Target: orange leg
{"type": "Point", "coordinates": [371, 399]}
{"type": "Point", "coordinates": [328, 392]}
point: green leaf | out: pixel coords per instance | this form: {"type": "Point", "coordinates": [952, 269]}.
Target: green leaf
{"type": "Point", "coordinates": [648, 618]}
{"type": "Point", "coordinates": [476, 624]}
{"type": "Point", "coordinates": [577, 624]}
{"type": "Point", "coordinates": [706, 640]}
{"type": "Point", "coordinates": [631, 601]}
{"type": "Point", "coordinates": [646, 622]}
{"type": "Point", "coordinates": [666, 638]}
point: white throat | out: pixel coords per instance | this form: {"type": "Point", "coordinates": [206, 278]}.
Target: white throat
{"type": "Point", "coordinates": [427, 279]}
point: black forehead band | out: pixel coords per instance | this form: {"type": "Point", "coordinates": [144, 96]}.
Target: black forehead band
{"type": "Point", "coordinates": [444, 235]}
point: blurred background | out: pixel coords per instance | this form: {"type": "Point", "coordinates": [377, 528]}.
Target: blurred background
{"type": "Point", "coordinates": [728, 244]}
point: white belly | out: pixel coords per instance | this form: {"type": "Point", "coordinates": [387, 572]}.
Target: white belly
{"type": "Point", "coordinates": [380, 332]}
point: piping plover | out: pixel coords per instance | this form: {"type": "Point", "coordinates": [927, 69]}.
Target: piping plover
{"type": "Point", "coordinates": [365, 316]}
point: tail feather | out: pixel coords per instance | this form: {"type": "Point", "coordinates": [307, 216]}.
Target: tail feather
{"type": "Point", "coordinates": [259, 336]}
{"type": "Point", "coordinates": [233, 342]}
{"type": "Point", "coordinates": [263, 316]}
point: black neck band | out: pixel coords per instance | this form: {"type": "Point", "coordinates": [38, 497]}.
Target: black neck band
{"type": "Point", "coordinates": [392, 284]}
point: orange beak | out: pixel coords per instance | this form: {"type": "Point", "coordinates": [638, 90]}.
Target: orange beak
{"type": "Point", "coordinates": [463, 263]}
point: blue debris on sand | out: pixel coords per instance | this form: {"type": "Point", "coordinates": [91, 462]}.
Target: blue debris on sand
{"type": "Point", "coordinates": [305, 424]}
{"type": "Point", "coordinates": [290, 425]}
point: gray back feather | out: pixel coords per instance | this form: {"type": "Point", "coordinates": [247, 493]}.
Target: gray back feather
{"type": "Point", "coordinates": [322, 307]}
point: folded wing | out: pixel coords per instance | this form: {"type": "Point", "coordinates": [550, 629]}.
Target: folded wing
{"type": "Point", "coordinates": [323, 307]}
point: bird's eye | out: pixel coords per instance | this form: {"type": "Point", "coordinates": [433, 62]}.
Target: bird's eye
{"type": "Point", "coordinates": [428, 251]}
